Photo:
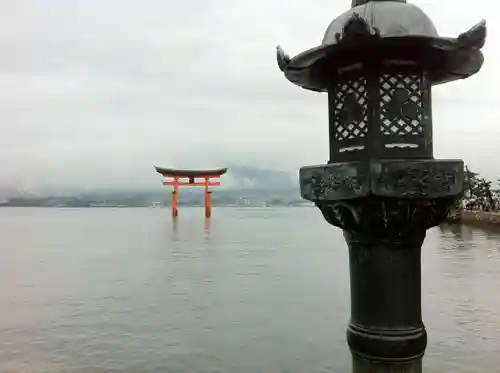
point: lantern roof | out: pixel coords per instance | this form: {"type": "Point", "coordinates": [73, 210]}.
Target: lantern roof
{"type": "Point", "coordinates": [393, 28]}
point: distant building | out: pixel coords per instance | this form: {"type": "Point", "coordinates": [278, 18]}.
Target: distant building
{"type": "Point", "coordinates": [243, 201]}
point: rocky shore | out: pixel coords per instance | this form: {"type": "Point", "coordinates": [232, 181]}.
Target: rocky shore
{"type": "Point", "coordinates": [477, 218]}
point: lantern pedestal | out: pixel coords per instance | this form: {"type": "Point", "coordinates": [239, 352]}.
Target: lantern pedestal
{"type": "Point", "coordinates": [384, 208]}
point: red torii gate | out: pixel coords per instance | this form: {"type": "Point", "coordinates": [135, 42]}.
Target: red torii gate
{"type": "Point", "coordinates": [173, 177]}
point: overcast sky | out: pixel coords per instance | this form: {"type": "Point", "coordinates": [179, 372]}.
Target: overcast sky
{"type": "Point", "coordinates": [94, 92]}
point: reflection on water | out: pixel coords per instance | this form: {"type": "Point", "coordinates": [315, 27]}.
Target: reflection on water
{"type": "Point", "coordinates": [249, 290]}
{"type": "Point", "coordinates": [207, 229]}
{"type": "Point", "coordinates": [175, 229]}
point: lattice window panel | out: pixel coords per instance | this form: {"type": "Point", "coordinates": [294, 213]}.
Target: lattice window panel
{"type": "Point", "coordinates": [402, 125]}
{"type": "Point", "coordinates": [356, 126]}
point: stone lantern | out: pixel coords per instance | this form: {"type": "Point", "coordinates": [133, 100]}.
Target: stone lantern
{"type": "Point", "coordinates": [382, 186]}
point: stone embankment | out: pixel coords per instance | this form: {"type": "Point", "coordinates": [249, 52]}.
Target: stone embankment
{"type": "Point", "coordinates": [477, 218]}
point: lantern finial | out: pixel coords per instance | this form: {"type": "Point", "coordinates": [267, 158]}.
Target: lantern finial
{"type": "Point", "coordinates": [361, 2]}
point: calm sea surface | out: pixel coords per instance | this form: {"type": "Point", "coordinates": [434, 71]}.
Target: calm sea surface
{"type": "Point", "coordinates": [256, 290]}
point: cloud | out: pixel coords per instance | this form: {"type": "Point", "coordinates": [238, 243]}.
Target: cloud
{"type": "Point", "coordinates": [95, 92]}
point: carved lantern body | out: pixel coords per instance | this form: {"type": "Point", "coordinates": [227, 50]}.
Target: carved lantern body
{"type": "Point", "coordinates": [380, 109]}
{"type": "Point", "coordinates": [382, 186]}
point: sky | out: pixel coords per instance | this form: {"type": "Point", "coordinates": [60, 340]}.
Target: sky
{"type": "Point", "coordinates": [93, 93]}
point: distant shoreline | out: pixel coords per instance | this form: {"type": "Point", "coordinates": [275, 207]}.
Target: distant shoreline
{"type": "Point", "coordinates": [149, 207]}
{"type": "Point", "coordinates": [476, 218]}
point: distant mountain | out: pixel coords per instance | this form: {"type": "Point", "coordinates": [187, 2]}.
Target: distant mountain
{"type": "Point", "coordinates": [245, 177]}
{"type": "Point", "coordinates": [240, 182]}
{"type": "Point", "coordinates": [6, 193]}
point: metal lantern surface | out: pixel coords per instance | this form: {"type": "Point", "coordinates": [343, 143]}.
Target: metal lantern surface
{"type": "Point", "coordinates": [378, 62]}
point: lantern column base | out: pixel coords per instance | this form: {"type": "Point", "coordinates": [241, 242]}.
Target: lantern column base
{"type": "Point", "coordinates": [362, 365]}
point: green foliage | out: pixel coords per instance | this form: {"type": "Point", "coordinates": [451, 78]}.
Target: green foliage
{"type": "Point", "coordinates": [480, 191]}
